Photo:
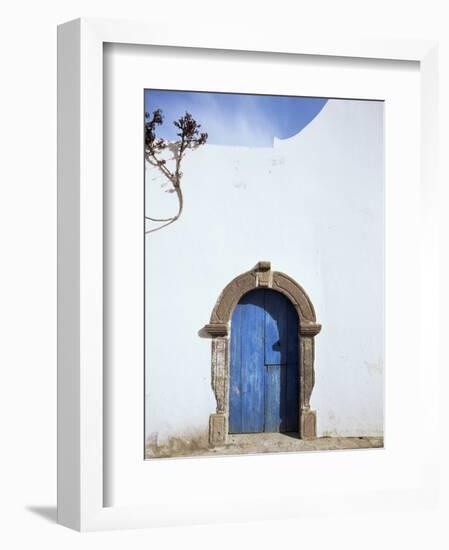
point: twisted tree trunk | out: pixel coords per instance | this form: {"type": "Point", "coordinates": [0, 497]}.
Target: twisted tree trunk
{"type": "Point", "coordinates": [169, 221]}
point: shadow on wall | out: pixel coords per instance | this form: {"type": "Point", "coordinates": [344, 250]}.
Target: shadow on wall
{"type": "Point", "coordinates": [202, 333]}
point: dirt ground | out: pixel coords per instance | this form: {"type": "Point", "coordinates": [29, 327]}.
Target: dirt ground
{"type": "Point", "coordinates": [260, 443]}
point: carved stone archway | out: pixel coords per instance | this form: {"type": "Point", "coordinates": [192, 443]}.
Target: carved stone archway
{"type": "Point", "coordinates": [219, 329]}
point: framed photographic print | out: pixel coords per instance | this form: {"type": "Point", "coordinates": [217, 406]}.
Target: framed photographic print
{"type": "Point", "coordinates": [241, 230]}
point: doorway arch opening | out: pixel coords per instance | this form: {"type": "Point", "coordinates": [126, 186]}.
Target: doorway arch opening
{"type": "Point", "coordinates": [263, 328]}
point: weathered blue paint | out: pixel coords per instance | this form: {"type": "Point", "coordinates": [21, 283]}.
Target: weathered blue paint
{"type": "Point", "coordinates": [264, 383]}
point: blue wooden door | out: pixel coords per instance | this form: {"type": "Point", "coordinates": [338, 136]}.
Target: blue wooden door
{"type": "Point", "coordinates": [264, 387]}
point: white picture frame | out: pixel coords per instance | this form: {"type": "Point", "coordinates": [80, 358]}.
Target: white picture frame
{"type": "Point", "coordinates": [82, 490]}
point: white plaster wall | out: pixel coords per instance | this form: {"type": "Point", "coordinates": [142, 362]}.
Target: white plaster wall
{"type": "Point", "coordinates": [313, 206]}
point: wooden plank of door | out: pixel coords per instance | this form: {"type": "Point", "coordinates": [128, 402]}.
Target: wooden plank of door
{"type": "Point", "coordinates": [276, 339]}
{"type": "Point", "coordinates": [275, 328]}
{"type": "Point", "coordinates": [246, 398]}
{"type": "Point", "coordinates": [252, 360]}
{"type": "Point", "coordinates": [273, 401]}
{"type": "Point", "coordinates": [235, 402]}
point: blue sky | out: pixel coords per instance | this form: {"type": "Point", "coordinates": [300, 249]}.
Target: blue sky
{"type": "Point", "coordinates": [235, 119]}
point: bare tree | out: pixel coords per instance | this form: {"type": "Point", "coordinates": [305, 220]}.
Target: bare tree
{"type": "Point", "coordinates": [189, 138]}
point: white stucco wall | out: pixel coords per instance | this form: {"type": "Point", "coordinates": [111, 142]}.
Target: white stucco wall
{"type": "Point", "coordinates": [313, 206]}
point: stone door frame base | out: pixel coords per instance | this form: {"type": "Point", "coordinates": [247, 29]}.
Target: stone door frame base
{"type": "Point", "coordinates": [219, 329]}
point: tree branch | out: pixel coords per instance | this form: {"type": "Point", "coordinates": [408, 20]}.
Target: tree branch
{"type": "Point", "coordinates": [190, 139]}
